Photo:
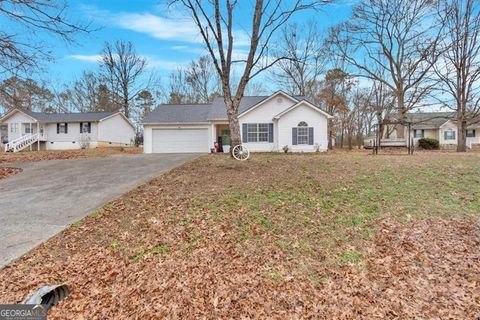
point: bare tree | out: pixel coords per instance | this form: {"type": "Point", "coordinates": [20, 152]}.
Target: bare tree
{"type": "Point", "coordinates": [303, 45]}
{"type": "Point", "coordinates": [358, 118]}
{"type": "Point", "coordinates": [383, 102]}
{"type": "Point", "coordinates": [89, 93]}
{"type": "Point", "coordinates": [203, 79]}
{"type": "Point", "coordinates": [179, 89]}
{"type": "Point", "coordinates": [256, 88]}
{"type": "Point", "coordinates": [124, 68]}
{"type": "Point", "coordinates": [333, 94]}
{"type": "Point", "coordinates": [26, 94]}
{"type": "Point", "coordinates": [215, 21]}
{"type": "Point", "coordinates": [84, 92]}
{"type": "Point", "coordinates": [394, 42]}
{"type": "Point", "coordinates": [459, 64]}
{"type": "Point", "coordinates": [24, 20]}
{"type": "Point", "coordinates": [196, 83]}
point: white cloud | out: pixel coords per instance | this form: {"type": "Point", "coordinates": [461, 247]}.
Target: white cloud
{"type": "Point", "coordinates": [172, 28]}
{"type": "Point", "coordinates": [175, 27]}
{"type": "Point", "coordinates": [86, 57]}
{"type": "Point", "coordinates": [164, 64]}
{"type": "Point", "coordinates": [179, 47]}
{"type": "Point", "coordinates": [152, 62]}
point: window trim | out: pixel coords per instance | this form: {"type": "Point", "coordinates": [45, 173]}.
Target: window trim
{"type": "Point", "coordinates": [13, 127]}
{"type": "Point", "coordinates": [421, 136]}
{"type": "Point", "coordinates": [64, 124]}
{"type": "Point", "coordinates": [303, 126]}
{"type": "Point", "coordinates": [256, 133]}
{"type": "Point", "coordinates": [473, 135]}
{"type": "Point", "coordinates": [87, 126]}
{"type": "Point", "coordinates": [452, 137]}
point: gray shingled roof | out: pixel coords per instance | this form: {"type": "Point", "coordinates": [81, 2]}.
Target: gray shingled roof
{"type": "Point", "coordinates": [69, 117]}
{"type": "Point", "coordinates": [175, 113]}
{"type": "Point", "coordinates": [178, 113]}
{"type": "Point", "coordinates": [219, 110]}
{"type": "Point", "coordinates": [429, 120]}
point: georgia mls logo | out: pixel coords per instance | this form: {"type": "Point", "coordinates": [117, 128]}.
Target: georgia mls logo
{"type": "Point", "coordinates": [23, 312]}
{"type": "Point", "coordinates": [39, 308]}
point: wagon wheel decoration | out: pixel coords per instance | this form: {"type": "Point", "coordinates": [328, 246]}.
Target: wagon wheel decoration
{"type": "Point", "coordinates": [240, 152]}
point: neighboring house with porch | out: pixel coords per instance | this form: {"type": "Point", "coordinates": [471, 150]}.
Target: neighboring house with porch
{"type": "Point", "coordinates": [62, 131]}
{"type": "Point", "coordinates": [267, 124]}
{"type": "Point", "coordinates": [435, 125]}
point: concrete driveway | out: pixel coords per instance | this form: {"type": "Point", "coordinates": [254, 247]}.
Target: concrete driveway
{"type": "Point", "coordinates": [50, 195]}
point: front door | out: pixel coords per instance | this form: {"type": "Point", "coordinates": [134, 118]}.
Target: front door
{"type": "Point", "coordinates": [226, 137]}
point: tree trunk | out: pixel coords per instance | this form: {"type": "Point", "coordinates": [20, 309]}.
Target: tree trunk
{"type": "Point", "coordinates": [232, 113]}
{"type": "Point", "coordinates": [126, 110]}
{"type": "Point", "coordinates": [330, 134]}
{"type": "Point", "coordinates": [462, 135]}
{"type": "Point", "coordinates": [401, 116]}
{"type": "Point", "coordinates": [342, 137]}
{"type": "Point", "coordinates": [381, 130]}
{"type": "Point", "coordinates": [359, 140]}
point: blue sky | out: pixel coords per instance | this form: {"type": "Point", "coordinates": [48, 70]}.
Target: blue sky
{"type": "Point", "coordinates": [166, 37]}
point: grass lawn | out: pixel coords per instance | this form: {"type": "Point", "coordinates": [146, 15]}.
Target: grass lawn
{"type": "Point", "coordinates": [31, 156]}
{"type": "Point", "coordinates": [339, 235]}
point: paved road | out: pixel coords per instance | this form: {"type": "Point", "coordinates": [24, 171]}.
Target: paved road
{"type": "Point", "coordinates": [50, 195]}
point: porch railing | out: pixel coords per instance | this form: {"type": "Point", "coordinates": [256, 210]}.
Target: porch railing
{"type": "Point", "coordinates": [24, 141]}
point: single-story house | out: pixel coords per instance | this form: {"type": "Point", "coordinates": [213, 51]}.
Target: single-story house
{"type": "Point", "coordinates": [267, 123]}
{"type": "Point", "coordinates": [436, 125]}
{"type": "Point", "coordinates": [62, 131]}
{"type": "Point", "coordinates": [442, 127]}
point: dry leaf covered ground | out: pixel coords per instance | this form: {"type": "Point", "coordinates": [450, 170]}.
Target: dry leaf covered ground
{"type": "Point", "coordinates": [31, 156]}
{"type": "Point", "coordinates": [7, 172]}
{"type": "Point", "coordinates": [343, 235]}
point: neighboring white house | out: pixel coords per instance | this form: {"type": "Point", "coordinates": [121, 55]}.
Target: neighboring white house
{"type": "Point", "coordinates": [62, 131]}
{"type": "Point", "coordinates": [268, 123]}
{"type": "Point", "coordinates": [436, 125]}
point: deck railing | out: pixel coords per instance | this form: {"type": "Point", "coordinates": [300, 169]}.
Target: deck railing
{"type": "Point", "coordinates": [24, 141]}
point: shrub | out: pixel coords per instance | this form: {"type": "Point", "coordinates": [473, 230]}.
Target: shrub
{"type": "Point", "coordinates": [428, 143]}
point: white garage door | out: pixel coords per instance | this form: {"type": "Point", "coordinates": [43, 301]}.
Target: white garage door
{"type": "Point", "coordinates": [180, 140]}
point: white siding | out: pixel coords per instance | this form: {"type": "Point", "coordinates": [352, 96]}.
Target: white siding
{"type": "Point", "coordinates": [474, 140]}
{"type": "Point", "coordinates": [18, 118]}
{"type": "Point", "coordinates": [264, 113]}
{"type": "Point", "coordinates": [115, 130]}
{"type": "Point", "coordinates": [428, 133]}
{"type": "Point", "coordinates": [313, 118]}
{"type": "Point", "coordinates": [447, 127]}
{"type": "Point", "coordinates": [451, 125]}
{"type": "Point", "coordinates": [69, 140]}
{"type": "Point", "coordinates": [148, 135]}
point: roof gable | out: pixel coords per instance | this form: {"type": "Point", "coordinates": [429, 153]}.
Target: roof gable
{"type": "Point", "coordinates": [259, 104]}
{"type": "Point", "coordinates": [14, 111]}
{"type": "Point", "coordinates": [219, 111]}
{"type": "Point", "coordinates": [300, 103]}
{"type": "Point", "coordinates": [121, 115]}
